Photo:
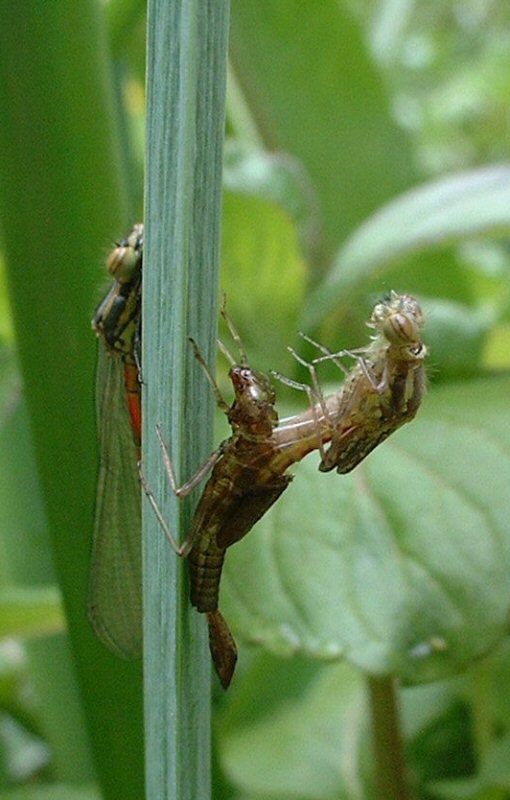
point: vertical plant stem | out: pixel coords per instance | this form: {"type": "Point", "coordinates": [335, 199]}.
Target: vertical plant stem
{"type": "Point", "coordinates": [480, 710]}
{"type": "Point", "coordinates": [186, 75]}
{"type": "Point", "coordinates": [390, 766]}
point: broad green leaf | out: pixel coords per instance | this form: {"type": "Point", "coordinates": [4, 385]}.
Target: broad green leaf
{"type": "Point", "coordinates": [401, 567]}
{"type": "Point", "coordinates": [314, 92]}
{"type": "Point", "coordinates": [496, 768]}
{"type": "Point", "coordinates": [462, 789]}
{"type": "Point", "coordinates": [307, 748]}
{"type": "Point", "coordinates": [492, 779]}
{"type": "Point", "coordinates": [272, 176]}
{"type": "Point", "coordinates": [455, 336]}
{"type": "Point", "coordinates": [293, 731]}
{"type": "Point", "coordinates": [465, 205]}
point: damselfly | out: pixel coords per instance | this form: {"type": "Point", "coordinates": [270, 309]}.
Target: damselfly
{"type": "Point", "coordinates": [115, 594]}
{"type": "Point", "coordinates": [249, 470]}
{"type": "Point", "coordinates": [382, 391]}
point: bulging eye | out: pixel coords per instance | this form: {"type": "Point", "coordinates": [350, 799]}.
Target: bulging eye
{"type": "Point", "coordinates": [127, 256]}
{"type": "Point", "coordinates": [398, 318]}
{"type": "Point", "coordinates": [400, 329]}
{"type": "Point", "coordinates": [122, 262]}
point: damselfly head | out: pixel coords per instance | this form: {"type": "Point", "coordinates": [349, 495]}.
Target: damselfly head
{"type": "Point", "coordinates": [127, 256]}
{"type": "Point", "coordinates": [118, 317]}
{"type": "Point", "coordinates": [398, 318]}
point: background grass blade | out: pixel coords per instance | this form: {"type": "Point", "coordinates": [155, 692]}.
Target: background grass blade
{"type": "Point", "coordinates": [62, 199]}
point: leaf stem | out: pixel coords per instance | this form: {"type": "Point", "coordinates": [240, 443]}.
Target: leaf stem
{"type": "Point", "coordinates": [482, 729]}
{"type": "Point", "coordinates": [387, 740]}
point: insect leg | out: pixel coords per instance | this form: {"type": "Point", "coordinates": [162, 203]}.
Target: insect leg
{"type": "Point", "coordinates": [380, 385]}
{"type": "Point", "coordinates": [243, 361]}
{"type": "Point", "coordinates": [220, 400]}
{"type": "Point", "coordinates": [154, 503]}
{"type": "Point", "coordinates": [180, 491]}
{"type": "Point", "coordinates": [328, 354]}
{"type": "Point", "coordinates": [315, 396]}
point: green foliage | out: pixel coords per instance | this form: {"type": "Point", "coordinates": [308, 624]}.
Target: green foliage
{"type": "Point", "coordinates": [401, 568]}
{"type": "Point", "coordinates": [185, 128]}
{"type": "Point", "coordinates": [469, 204]}
{"type": "Point", "coordinates": [405, 546]}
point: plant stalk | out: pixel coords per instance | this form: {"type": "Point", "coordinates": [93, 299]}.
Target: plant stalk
{"type": "Point", "coordinates": [186, 84]}
{"type": "Point", "coordinates": [390, 767]}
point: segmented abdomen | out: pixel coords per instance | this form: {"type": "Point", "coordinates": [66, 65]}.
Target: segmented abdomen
{"type": "Point", "coordinates": [205, 575]}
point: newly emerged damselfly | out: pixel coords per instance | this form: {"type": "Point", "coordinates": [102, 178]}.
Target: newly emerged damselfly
{"type": "Point", "coordinates": [249, 470]}
{"type": "Point", "coordinates": [382, 391]}
{"type": "Point", "coordinates": [115, 593]}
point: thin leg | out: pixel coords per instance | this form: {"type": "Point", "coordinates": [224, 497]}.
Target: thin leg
{"type": "Point", "coordinates": [186, 488]}
{"type": "Point", "coordinates": [328, 354]}
{"type": "Point", "coordinates": [234, 334]}
{"type": "Point", "coordinates": [316, 393]}
{"type": "Point", "coordinates": [137, 354]}
{"type": "Point", "coordinates": [180, 491]}
{"type": "Point", "coordinates": [220, 400]}
{"type": "Point", "coordinates": [154, 503]}
{"type": "Point", "coordinates": [226, 352]}
{"type": "Point", "coordinates": [302, 387]}
{"type": "Point", "coordinates": [379, 386]}
{"type": "Point", "coordinates": [315, 398]}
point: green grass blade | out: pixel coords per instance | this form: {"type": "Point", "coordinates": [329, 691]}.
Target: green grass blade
{"type": "Point", "coordinates": [62, 198]}
{"type": "Point", "coordinates": [186, 95]}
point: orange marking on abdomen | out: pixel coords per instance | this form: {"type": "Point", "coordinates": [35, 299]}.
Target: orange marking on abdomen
{"type": "Point", "coordinates": [134, 399]}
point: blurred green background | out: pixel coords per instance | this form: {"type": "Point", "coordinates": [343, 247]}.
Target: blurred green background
{"type": "Point", "coordinates": [366, 149]}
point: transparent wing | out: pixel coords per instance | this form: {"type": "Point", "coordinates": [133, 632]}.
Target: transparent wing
{"type": "Point", "coordinates": [115, 593]}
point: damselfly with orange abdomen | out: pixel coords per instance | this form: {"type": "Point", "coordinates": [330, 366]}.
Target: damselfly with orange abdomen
{"type": "Point", "coordinates": [115, 595]}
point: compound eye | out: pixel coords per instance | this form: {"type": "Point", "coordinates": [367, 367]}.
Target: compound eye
{"type": "Point", "coordinates": [400, 329]}
{"type": "Point", "coordinates": [121, 263]}
{"type": "Point", "coordinates": [126, 258]}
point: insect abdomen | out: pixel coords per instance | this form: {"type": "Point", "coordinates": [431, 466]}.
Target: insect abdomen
{"type": "Point", "coordinates": [205, 574]}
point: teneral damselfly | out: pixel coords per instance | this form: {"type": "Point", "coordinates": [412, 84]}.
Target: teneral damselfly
{"type": "Point", "coordinates": [382, 391]}
{"type": "Point", "coordinates": [115, 594]}
{"type": "Point", "coordinates": [249, 470]}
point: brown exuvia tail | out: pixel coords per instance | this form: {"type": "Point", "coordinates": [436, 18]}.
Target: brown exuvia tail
{"type": "Point", "coordinates": [222, 646]}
